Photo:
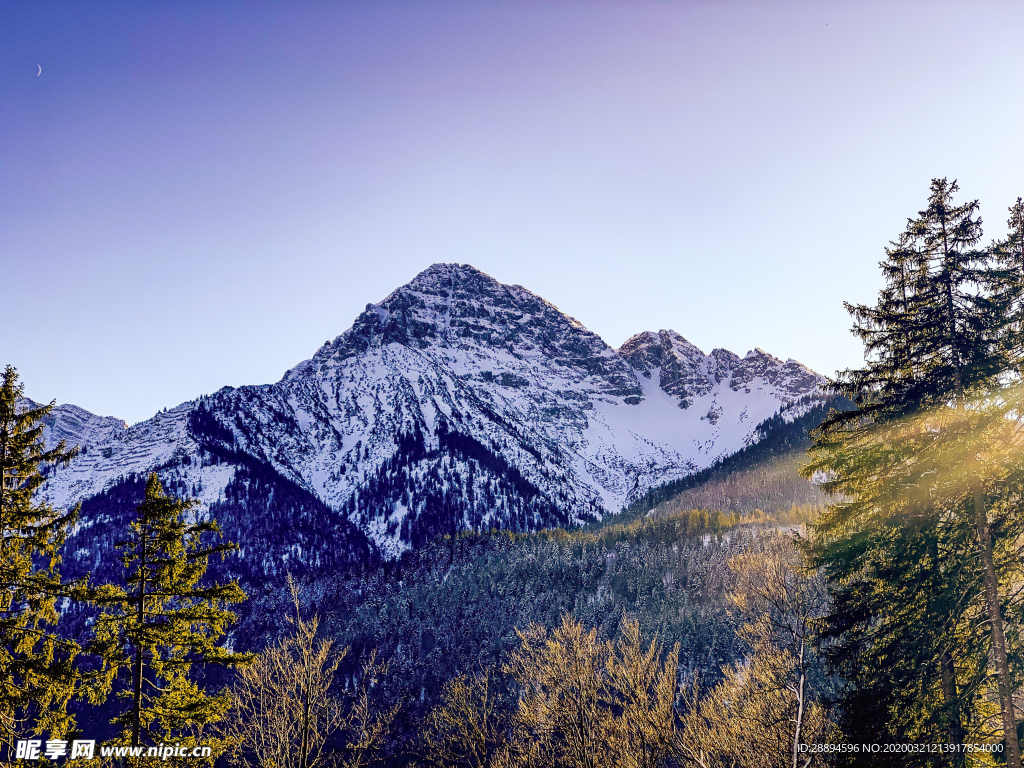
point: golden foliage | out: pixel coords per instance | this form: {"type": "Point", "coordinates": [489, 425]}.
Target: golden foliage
{"type": "Point", "coordinates": [748, 720]}
{"type": "Point", "coordinates": [582, 704]}
{"type": "Point", "coordinates": [286, 709]}
{"type": "Point", "coordinates": [466, 729]}
{"type": "Point", "coordinates": [763, 714]}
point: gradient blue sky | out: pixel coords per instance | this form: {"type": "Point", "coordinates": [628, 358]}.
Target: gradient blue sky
{"type": "Point", "coordinates": [200, 194]}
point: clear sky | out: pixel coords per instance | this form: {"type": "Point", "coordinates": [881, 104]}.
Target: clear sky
{"type": "Point", "coordinates": [200, 194]}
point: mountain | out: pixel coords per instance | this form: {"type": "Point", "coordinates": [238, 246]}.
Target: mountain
{"type": "Point", "coordinates": [77, 426]}
{"type": "Point", "coordinates": [764, 476]}
{"type": "Point", "coordinates": [455, 403]}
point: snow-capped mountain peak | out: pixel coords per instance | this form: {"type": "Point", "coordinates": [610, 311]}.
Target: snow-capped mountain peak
{"type": "Point", "coordinates": [458, 402]}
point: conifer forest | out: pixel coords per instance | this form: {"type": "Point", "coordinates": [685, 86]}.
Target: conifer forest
{"type": "Point", "coordinates": [846, 590]}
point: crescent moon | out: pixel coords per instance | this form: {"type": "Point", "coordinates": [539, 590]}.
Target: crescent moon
{"type": "Point", "coordinates": [40, 70]}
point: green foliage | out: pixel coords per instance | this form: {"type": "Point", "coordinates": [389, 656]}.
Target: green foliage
{"type": "Point", "coordinates": [664, 529]}
{"type": "Point", "coordinates": [161, 622]}
{"type": "Point", "coordinates": [1009, 254]}
{"type": "Point", "coordinates": [916, 472]}
{"type": "Point", "coordinates": [937, 327]}
{"type": "Point", "coordinates": [770, 488]}
{"type": "Point", "coordinates": [36, 665]}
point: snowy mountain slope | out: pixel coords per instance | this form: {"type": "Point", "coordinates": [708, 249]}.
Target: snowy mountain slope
{"type": "Point", "coordinates": [686, 373]}
{"type": "Point", "coordinates": [459, 402]}
{"type": "Point", "coordinates": [76, 425]}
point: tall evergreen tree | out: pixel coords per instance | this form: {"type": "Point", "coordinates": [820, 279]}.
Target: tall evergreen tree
{"type": "Point", "coordinates": [1009, 252]}
{"type": "Point", "coordinates": [162, 621]}
{"type": "Point", "coordinates": [936, 329]}
{"type": "Point", "coordinates": [935, 340]}
{"type": "Point", "coordinates": [903, 576]}
{"type": "Point", "coordinates": [36, 666]}
{"type": "Point", "coordinates": [892, 384]}
{"type": "Point", "coordinates": [966, 355]}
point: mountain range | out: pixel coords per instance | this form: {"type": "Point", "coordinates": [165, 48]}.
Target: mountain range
{"type": "Point", "coordinates": [455, 403]}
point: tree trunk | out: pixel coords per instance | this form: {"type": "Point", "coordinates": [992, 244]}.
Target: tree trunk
{"type": "Point", "coordinates": [799, 709]}
{"type": "Point", "coordinates": [998, 638]}
{"type": "Point", "coordinates": [955, 727]}
{"type": "Point", "coordinates": [947, 669]}
{"type": "Point", "coordinates": [137, 698]}
{"type": "Point", "coordinates": [985, 545]}
{"type": "Point", "coordinates": [141, 619]}
{"type": "Point", "coordinates": [304, 747]}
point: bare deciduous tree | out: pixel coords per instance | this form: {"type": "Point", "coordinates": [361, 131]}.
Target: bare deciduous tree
{"type": "Point", "coordinates": [562, 715]}
{"type": "Point", "coordinates": [643, 688]}
{"type": "Point", "coordinates": [366, 724]}
{"type": "Point", "coordinates": [762, 715]}
{"type": "Point", "coordinates": [286, 709]}
{"type": "Point", "coordinates": [466, 729]}
{"type": "Point", "coordinates": [582, 704]}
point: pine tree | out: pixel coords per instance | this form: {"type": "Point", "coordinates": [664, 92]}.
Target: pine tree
{"type": "Point", "coordinates": [161, 621]}
{"type": "Point", "coordinates": [907, 463]}
{"type": "Point", "coordinates": [963, 355]}
{"type": "Point", "coordinates": [37, 673]}
{"type": "Point", "coordinates": [936, 329]}
{"type": "Point", "coordinates": [891, 386]}
{"type": "Point", "coordinates": [1009, 253]}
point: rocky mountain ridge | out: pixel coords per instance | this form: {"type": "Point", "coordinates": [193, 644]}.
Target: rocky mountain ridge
{"type": "Point", "coordinates": [456, 402]}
